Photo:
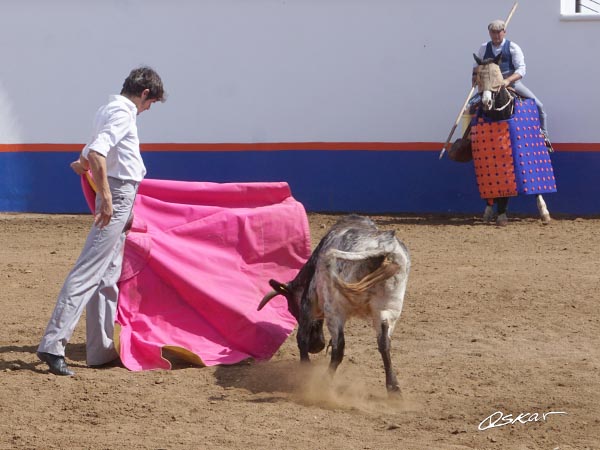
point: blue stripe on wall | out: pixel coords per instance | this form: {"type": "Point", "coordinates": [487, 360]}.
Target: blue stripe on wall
{"type": "Point", "coordinates": [328, 181]}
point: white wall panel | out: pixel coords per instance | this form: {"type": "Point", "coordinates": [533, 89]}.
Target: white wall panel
{"type": "Point", "coordinates": [283, 70]}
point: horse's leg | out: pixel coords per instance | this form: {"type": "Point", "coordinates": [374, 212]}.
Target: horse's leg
{"type": "Point", "coordinates": [488, 214]}
{"type": "Point", "coordinates": [544, 214]}
{"type": "Point", "coordinates": [502, 219]}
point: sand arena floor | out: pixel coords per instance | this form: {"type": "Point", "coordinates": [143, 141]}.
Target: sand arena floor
{"type": "Point", "coordinates": [495, 320]}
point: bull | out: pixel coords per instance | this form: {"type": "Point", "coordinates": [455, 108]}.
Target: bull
{"type": "Point", "coordinates": [355, 270]}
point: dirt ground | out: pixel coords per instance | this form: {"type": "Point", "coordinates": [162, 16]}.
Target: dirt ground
{"type": "Point", "coordinates": [495, 320]}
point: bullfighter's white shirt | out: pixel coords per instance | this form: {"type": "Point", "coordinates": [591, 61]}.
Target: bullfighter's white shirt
{"type": "Point", "coordinates": [115, 136]}
{"type": "Point", "coordinates": [518, 59]}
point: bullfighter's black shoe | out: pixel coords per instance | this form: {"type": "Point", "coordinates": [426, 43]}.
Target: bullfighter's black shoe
{"type": "Point", "coordinates": [56, 364]}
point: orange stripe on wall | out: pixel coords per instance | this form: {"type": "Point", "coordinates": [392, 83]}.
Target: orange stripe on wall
{"type": "Point", "coordinates": [577, 147]}
{"type": "Point", "coordinates": [18, 148]}
{"type": "Point", "coordinates": [277, 146]}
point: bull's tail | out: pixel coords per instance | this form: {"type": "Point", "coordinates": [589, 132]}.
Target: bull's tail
{"type": "Point", "coordinates": [387, 269]}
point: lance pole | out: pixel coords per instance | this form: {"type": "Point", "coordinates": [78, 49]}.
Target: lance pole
{"type": "Point", "coordinates": [470, 94]}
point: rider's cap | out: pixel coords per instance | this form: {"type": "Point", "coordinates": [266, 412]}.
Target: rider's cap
{"type": "Point", "coordinates": [496, 25]}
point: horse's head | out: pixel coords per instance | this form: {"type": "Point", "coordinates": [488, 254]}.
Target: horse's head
{"type": "Point", "coordinates": [489, 79]}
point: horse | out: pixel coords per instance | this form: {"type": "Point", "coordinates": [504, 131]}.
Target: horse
{"type": "Point", "coordinates": [498, 103]}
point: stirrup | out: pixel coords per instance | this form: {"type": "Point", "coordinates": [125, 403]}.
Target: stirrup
{"type": "Point", "coordinates": [547, 142]}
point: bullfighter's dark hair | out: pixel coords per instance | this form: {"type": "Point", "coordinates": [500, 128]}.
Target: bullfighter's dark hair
{"type": "Point", "coordinates": [142, 78]}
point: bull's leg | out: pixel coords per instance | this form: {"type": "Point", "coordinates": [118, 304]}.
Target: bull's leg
{"type": "Point", "coordinates": [317, 340]}
{"type": "Point", "coordinates": [305, 325]}
{"type": "Point", "coordinates": [384, 345]}
{"type": "Point", "coordinates": [337, 351]}
{"type": "Point", "coordinates": [544, 213]}
{"type": "Point", "coordinates": [336, 330]}
{"type": "Point", "coordinates": [303, 340]}
{"type": "Point", "coordinates": [310, 331]}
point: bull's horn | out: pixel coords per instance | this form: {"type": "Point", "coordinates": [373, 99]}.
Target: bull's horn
{"type": "Point", "coordinates": [266, 299]}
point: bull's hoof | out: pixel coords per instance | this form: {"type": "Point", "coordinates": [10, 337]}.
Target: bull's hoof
{"type": "Point", "coordinates": [304, 359]}
{"type": "Point", "coordinates": [393, 390]}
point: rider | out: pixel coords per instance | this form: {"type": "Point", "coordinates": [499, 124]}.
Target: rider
{"type": "Point", "coordinates": [512, 66]}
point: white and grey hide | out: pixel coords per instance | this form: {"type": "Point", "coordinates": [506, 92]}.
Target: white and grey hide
{"type": "Point", "coordinates": [356, 270]}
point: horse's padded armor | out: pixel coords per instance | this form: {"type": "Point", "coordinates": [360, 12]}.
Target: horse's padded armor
{"type": "Point", "coordinates": [510, 156]}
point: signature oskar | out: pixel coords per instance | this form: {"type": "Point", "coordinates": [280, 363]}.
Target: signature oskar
{"type": "Point", "coordinates": [499, 419]}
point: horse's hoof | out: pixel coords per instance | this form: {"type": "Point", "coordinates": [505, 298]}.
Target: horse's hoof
{"type": "Point", "coordinates": [502, 220]}
{"type": "Point", "coordinates": [546, 220]}
{"type": "Point", "coordinates": [488, 214]}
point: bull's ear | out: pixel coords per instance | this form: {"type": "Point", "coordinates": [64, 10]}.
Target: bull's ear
{"type": "Point", "coordinates": [498, 58]}
{"type": "Point", "coordinates": [477, 60]}
{"type": "Point", "coordinates": [279, 287]}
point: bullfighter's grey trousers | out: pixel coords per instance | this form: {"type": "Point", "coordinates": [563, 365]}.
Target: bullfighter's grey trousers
{"type": "Point", "coordinates": [92, 283]}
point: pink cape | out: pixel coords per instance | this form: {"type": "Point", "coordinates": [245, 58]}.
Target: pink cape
{"type": "Point", "coordinates": [197, 263]}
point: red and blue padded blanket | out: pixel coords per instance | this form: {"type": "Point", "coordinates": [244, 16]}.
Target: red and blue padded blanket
{"type": "Point", "coordinates": [510, 156]}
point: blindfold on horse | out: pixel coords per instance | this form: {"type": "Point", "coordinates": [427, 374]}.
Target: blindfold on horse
{"type": "Point", "coordinates": [497, 102]}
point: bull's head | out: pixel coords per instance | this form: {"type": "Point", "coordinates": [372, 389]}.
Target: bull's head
{"type": "Point", "coordinates": [292, 296]}
{"type": "Point", "coordinates": [310, 325]}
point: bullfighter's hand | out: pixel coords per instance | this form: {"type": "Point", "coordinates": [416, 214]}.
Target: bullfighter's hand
{"type": "Point", "coordinates": [78, 168]}
{"type": "Point", "coordinates": [104, 213]}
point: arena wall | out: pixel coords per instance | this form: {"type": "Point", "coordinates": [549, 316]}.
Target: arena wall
{"type": "Point", "coordinates": [349, 101]}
